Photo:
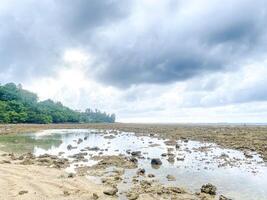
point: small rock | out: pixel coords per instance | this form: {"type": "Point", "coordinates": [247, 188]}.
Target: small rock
{"type": "Point", "coordinates": [136, 153]}
{"type": "Point", "coordinates": [150, 175]}
{"type": "Point", "coordinates": [170, 178]}
{"type": "Point", "coordinates": [247, 154]}
{"type": "Point", "coordinates": [180, 158]}
{"type": "Point", "coordinates": [132, 196]}
{"type": "Point", "coordinates": [133, 160]}
{"type": "Point", "coordinates": [93, 148]}
{"type": "Point", "coordinates": [171, 160]}
{"type": "Point", "coordinates": [95, 196]}
{"type": "Point", "coordinates": [66, 193]}
{"type": "Point", "coordinates": [170, 142]}
{"type": "Point", "coordinates": [156, 161]}
{"type": "Point", "coordinates": [71, 175]}
{"type": "Point", "coordinates": [5, 162]}
{"type": "Point", "coordinates": [23, 192]}
{"type": "Point", "coordinates": [141, 171]}
{"type": "Point", "coordinates": [110, 191]}
{"type": "Point", "coordinates": [80, 141]}
{"type": "Point", "coordinates": [209, 189]}
{"type": "Point", "coordinates": [223, 198]}
{"type": "Point", "coordinates": [69, 147]}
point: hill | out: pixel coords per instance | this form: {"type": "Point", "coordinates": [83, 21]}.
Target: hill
{"type": "Point", "coordinates": [18, 105]}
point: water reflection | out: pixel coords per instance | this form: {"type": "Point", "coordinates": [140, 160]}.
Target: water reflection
{"type": "Point", "coordinates": [193, 163]}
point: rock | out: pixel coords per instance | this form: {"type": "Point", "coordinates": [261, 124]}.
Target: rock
{"type": "Point", "coordinates": [23, 192]}
{"type": "Point", "coordinates": [177, 190]}
{"type": "Point", "coordinates": [71, 175]}
{"type": "Point", "coordinates": [136, 153]}
{"type": "Point", "coordinates": [208, 189]}
{"type": "Point", "coordinates": [223, 156]}
{"type": "Point", "coordinates": [5, 162]}
{"type": "Point", "coordinates": [44, 156]}
{"type": "Point", "coordinates": [133, 160]}
{"type": "Point", "coordinates": [61, 153]}
{"type": "Point", "coordinates": [180, 158]}
{"type": "Point", "coordinates": [95, 196]}
{"type": "Point", "coordinates": [66, 193]}
{"type": "Point", "coordinates": [85, 138]}
{"type": "Point", "coordinates": [132, 196]}
{"type": "Point", "coordinates": [141, 171]}
{"type": "Point", "coordinates": [80, 141]}
{"type": "Point", "coordinates": [109, 137]}
{"type": "Point", "coordinates": [247, 154]}
{"type": "Point", "coordinates": [177, 146]}
{"type": "Point", "coordinates": [150, 175]}
{"type": "Point", "coordinates": [156, 161]}
{"type": "Point", "coordinates": [223, 198]}
{"type": "Point", "coordinates": [170, 178]}
{"type": "Point", "coordinates": [70, 147]}
{"type": "Point", "coordinates": [27, 161]}
{"type": "Point", "coordinates": [164, 155]}
{"type": "Point", "coordinates": [21, 157]}
{"type": "Point", "coordinates": [110, 191]}
{"type": "Point", "coordinates": [170, 142]}
{"type": "Point", "coordinates": [171, 160]}
{"type": "Point", "coordinates": [93, 148]}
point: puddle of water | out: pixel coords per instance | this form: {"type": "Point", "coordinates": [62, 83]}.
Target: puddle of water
{"type": "Point", "coordinates": [242, 178]}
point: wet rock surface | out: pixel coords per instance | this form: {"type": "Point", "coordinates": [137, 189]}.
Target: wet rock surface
{"type": "Point", "coordinates": [156, 161]}
{"type": "Point", "coordinates": [209, 189]}
{"type": "Point", "coordinates": [110, 191]}
{"type": "Point", "coordinates": [42, 160]}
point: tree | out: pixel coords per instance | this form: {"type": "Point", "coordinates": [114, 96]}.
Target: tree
{"type": "Point", "coordinates": [21, 106]}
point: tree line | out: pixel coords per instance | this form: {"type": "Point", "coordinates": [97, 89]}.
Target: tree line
{"type": "Point", "coordinates": [18, 105]}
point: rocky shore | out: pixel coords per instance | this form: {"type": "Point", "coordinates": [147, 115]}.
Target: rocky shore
{"type": "Point", "coordinates": [50, 168]}
{"type": "Point", "coordinates": [49, 171]}
{"type": "Point", "coordinates": [240, 137]}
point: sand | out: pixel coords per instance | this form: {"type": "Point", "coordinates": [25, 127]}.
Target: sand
{"type": "Point", "coordinates": [41, 183]}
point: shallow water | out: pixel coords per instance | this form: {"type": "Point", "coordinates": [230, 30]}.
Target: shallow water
{"type": "Point", "coordinates": [241, 178]}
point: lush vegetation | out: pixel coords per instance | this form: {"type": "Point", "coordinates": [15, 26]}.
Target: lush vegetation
{"type": "Point", "coordinates": [21, 106]}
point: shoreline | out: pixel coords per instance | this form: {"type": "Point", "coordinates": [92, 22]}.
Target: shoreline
{"type": "Point", "coordinates": [62, 186]}
{"type": "Point", "coordinates": [239, 137]}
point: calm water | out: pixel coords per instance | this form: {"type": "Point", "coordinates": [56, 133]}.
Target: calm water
{"type": "Point", "coordinates": [245, 178]}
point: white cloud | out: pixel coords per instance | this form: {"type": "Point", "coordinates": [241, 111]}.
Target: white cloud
{"type": "Point", "coordinates": [163, 61]}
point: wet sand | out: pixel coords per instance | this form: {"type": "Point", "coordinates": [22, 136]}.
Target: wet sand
{"type": "Point", "coordinates": [24, 182]}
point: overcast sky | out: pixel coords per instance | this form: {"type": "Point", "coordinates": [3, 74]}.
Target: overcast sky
{"type": "Point", "coordinates": [145, 60]}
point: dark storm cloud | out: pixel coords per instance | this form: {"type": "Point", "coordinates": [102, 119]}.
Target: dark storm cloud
{"type": "Point", "coordinates": [178, 46]}
{"type": "Point", "coordinates": [133, 42]}
{"type": "Point", "coordinates": [81, 15]}
{"type": "Point", "coordinates": [35, 34]}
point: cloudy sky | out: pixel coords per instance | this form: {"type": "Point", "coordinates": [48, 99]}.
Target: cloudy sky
{"type": "Point", "coordinates": [145, 60]}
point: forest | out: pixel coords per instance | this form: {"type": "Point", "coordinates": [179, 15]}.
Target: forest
{"type": "Point", "coordinates": [18, 105]}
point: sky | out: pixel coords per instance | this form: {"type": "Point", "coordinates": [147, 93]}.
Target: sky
{"type": "Point", "coordinates": [167, 61]}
